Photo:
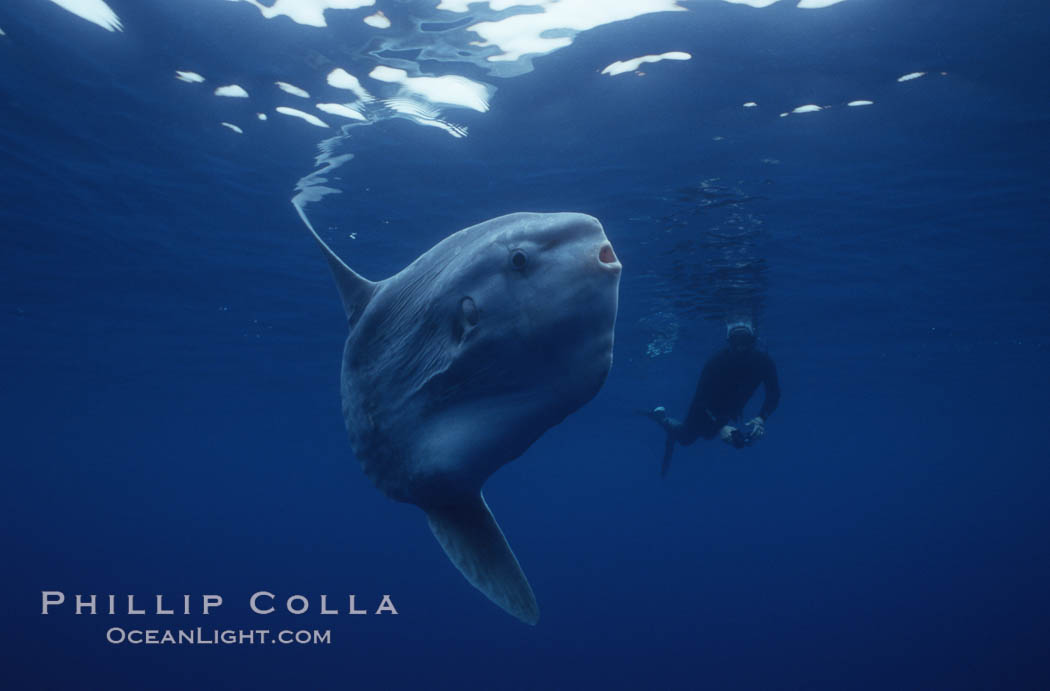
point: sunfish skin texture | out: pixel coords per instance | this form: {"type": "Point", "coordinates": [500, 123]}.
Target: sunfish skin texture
{"type": "Point", "coordinates": [454, 366]}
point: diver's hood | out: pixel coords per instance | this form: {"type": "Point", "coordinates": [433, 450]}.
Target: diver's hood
{"type": "Point", "coordinates": [740, 334]}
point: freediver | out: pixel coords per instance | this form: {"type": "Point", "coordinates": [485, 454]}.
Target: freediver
{"type": "Point", "coordinates": [727, 382]}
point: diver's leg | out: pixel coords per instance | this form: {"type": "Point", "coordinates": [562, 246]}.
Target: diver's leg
{"type": "Point", "coordinates": [671, 427]}
{"type": "Point", "coordinates": [681, 432]}
{"type": "Point", "coordinates": [677, 433]}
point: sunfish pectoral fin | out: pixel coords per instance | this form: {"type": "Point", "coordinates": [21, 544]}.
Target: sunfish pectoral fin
{"type": "Point", "coordinates": [474, 542]}
{"type": "Point", "coordinates": [355, 290]}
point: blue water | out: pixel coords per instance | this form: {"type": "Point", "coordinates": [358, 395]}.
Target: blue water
{"type": "Point", "coordinates": [172, 337]}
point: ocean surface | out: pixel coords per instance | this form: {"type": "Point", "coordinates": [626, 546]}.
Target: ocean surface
{"type": "Point", "coordinates": [171, 338]}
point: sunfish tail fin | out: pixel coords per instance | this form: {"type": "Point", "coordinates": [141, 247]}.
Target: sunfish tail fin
{"type": "Point", "coordinates": [474, 542]}
{"type": "Point", "coordinates": [355, 290]}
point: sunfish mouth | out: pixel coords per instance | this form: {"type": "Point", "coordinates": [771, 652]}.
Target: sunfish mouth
{"type": "Point", "coordinates": [607, 258]}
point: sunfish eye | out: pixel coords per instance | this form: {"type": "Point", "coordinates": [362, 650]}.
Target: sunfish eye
{"type": "Point", "coordinates": [469, 311]}
{"type": "Point", "coordinates": [518, 259]}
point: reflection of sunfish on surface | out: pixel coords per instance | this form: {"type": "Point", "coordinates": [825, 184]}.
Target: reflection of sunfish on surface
{"type": "Point", "coordinates": [457, 364]}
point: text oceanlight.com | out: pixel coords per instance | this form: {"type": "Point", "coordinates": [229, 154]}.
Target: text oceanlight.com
{"type": "Point", "coordinates": [201, 636]}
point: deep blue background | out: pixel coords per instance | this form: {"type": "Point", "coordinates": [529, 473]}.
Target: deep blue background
{"type": "Point", "coordinates": [171, 343]}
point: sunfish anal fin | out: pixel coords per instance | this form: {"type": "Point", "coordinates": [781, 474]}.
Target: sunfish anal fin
{"type": "Point", "coordinates": [474, 542]}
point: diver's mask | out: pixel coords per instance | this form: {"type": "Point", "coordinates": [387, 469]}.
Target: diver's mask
{"type": "Point", "coordinates": [741, 336]}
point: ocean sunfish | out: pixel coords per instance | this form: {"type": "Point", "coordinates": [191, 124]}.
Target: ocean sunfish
{"type": "Point", "coordinates": [457, 364]}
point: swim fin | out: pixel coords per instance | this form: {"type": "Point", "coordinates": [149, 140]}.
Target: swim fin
{"type": "Point", "coordinates": [665, 467]}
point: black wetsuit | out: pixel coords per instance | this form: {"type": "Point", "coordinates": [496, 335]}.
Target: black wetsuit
{"type": "Point", "coordinates": [727, 383]}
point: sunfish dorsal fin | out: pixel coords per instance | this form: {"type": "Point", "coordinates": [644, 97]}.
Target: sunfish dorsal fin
{"type": "Point", "coordinates": [354, 289]}
{"type": "Point", "coordinates": [474, 542]}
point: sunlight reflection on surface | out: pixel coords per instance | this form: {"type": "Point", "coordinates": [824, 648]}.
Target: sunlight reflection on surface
{"type": "Point", "coordinates": [231, 91]}
{"type": "Point", "coordinates": [296, 113]}
{"type": "Point", "coordinates": [307, 12]}
{"type": "Point", "coordinates": [413, 64]}
{"type": "Point", "coordinates": [95, 11]}
{"type": "Point", "coordinates": [621, 66]}
{"type": "Point", "coordinates": [186, 76]}
{"type": "Point", "coordinates": [292, 89]}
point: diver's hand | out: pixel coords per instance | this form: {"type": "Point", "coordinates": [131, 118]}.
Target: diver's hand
{"type": "Point", "coordinates": [732, 436]}
{"type": "Point", "coordinates": [756, 428]}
